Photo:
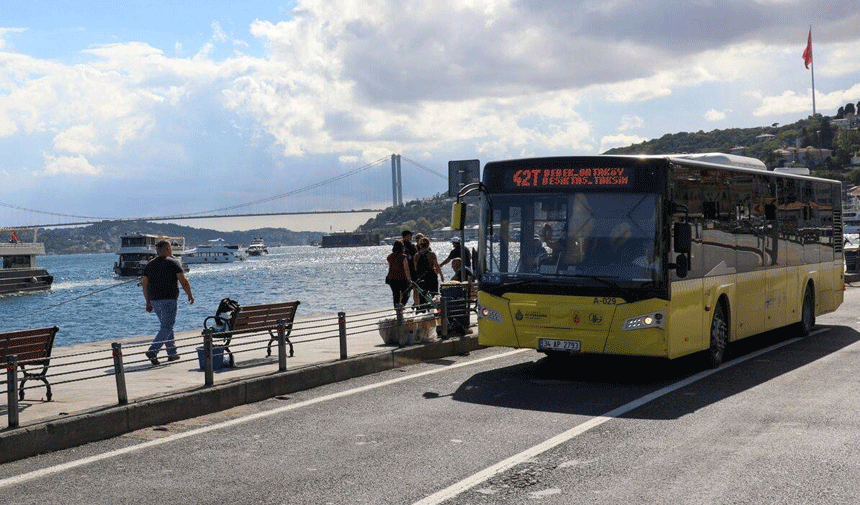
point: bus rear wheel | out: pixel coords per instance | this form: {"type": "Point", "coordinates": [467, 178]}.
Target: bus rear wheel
{"type": "Point", "coordinates": [807, 313]}
{"type": "Point", "coordinates": [719, 336]}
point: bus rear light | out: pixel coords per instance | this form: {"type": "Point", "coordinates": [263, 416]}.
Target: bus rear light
{"type": "Point", "coordinates": [653, 320]}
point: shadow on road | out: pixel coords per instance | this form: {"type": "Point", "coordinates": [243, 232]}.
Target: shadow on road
{"type": "Point", "coordinates": [593, 385]}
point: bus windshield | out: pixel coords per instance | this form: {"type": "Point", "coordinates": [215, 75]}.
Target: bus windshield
{"type": "Point", "coordinates": [606, 237]}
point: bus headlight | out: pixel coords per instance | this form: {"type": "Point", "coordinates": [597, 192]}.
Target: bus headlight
{"type": "Point", "coordinates": [489, 314]}
{"type": "Point", "coordinates": [652, 320]}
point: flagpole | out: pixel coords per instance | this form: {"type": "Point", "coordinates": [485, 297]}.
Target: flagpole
{"type": "Point", "coordinates": [812, 73]}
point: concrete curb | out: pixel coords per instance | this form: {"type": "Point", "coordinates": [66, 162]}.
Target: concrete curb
{"type": "Point", "coordinates": [108, 422]}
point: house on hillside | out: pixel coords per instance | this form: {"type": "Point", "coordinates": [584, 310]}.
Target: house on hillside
{"type": "Point", "coordinates": [808, 156]}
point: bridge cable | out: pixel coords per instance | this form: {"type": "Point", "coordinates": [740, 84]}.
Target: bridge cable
{"type": "Point", "coordinates": [10, 206]}
{"type": "Point", "coordinates": [426, 169]}
{"type": "Point", "coordinates": [289, 193]}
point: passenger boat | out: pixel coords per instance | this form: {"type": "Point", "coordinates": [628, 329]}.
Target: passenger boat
{"type": "Point", "coordinates": [257, 248]}
{"type": "Point", "coordinates": [216, 251]}
{"type": "Point", "coordinates": [347, 239]}
{"type": "Point", "coordinates": [19, 272]}
{"type": "Point", "coordinates": [137, 249]}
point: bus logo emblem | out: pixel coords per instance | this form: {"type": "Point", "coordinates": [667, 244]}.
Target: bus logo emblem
{"type": "Point", "coordinates": [519, 315]}
{"type": "Point", "coordinates": [595, 318]}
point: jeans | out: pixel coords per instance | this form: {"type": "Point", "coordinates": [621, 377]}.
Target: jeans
{"type": "Point", "coordinates": [166, 312]}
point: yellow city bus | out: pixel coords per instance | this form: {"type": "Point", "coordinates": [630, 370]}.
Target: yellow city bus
{"type": "Point", "coordinates": [652, 255]}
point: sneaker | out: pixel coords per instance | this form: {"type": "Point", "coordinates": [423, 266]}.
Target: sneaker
{"type": "Point", "coordinates": [151, 355]}
{"type": "Point", "coordinates": [173, 357]}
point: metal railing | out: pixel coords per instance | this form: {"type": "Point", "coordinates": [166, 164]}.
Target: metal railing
{"type": "Point", "coordinates": [121, 360]}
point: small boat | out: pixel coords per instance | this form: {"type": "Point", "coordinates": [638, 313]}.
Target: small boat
{"type": "Point", "coordinates": [137, 249]}
{"type": "Point", "coordinates": [257, 248]}
{"type": "Point", "coordinates": [216, 251]}
{"type": "Point", "coordinates": [19, 272]}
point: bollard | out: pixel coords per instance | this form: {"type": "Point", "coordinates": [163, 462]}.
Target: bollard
{"type": "Point", "coordinates": [400, 333]}
{"type": "Point", "coordinates": [12, 389]}
{"type": "Point", "coordinates": [443, 318]}
{"type": "Point", "coordinates": [207, 356]}
{"type": "Point", "coordinates": [282, 346]}
{"type": "Point", "coordinates": [119, 373]}
{"type": "Point", "coordinates": [341, 327]}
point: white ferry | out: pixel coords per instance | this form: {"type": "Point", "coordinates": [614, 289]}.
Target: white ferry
{"type": "Point", "coordinates": [137, 249]}
{"type": "Point", "coordinates": [216, 251]}
{"type": "Point", "coordinates": [19, 271]}
{"type": "Point", "coordinates": [257, 248]}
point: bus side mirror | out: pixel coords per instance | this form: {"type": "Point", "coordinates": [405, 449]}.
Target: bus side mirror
{"type": "Point", "coordinates": [458, 216]}
{"type": "Point", "coordinates": [681, 267]}
{"type": "Point", "coordinates": [683, 238]}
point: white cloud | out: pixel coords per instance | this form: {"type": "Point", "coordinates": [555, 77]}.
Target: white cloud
{"type": "Point", "coordinates": [619, 140]}
{"type": "Point", "coordinates": [4, 31]}
{"type": "Point", "coordinates": [630, 122]}
{"type": "Point", "coordinates": [77, 165]}
{"type": "Point", "coordinates": [714, 115]}
{"type": "Point", "coordinates": [791, 102]}
{"type": "Point", "coordinates": [340, 81]}
{"type": "Point", "coordinates": [77, 140]}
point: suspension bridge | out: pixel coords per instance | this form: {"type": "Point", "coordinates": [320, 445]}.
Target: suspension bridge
{"type": "Point", "coordinates": [360, 190]}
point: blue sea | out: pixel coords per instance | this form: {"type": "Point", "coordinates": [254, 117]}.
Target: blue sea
{"type": "Point", "coordinates": [89, 303]}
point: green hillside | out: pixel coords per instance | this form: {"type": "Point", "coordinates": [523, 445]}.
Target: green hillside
{"type": "Point", "coordinates": [761, 142]}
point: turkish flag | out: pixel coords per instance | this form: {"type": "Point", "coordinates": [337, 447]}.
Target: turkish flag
{"type": "Point", "coordinates": [807, 53]}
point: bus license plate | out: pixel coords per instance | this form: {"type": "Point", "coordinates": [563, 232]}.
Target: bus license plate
{"type": "Point", "coordinates": [551, 344]}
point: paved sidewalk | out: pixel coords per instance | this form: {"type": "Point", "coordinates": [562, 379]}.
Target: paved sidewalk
{"type": "Point", "coordinates": [315, 342]}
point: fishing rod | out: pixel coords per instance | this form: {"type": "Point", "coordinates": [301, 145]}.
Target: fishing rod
{"type": "Point", "coordinates": [136, 279]}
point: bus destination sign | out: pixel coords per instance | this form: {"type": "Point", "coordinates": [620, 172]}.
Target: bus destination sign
{"type": "Point", "coordinates": [603, 177]}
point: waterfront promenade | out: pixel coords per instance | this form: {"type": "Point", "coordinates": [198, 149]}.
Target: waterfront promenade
{"type": "Point", "coordinates": [85, 405]}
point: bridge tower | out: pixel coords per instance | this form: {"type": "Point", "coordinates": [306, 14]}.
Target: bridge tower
{"type": "Point", "coordinates": [396, 181]}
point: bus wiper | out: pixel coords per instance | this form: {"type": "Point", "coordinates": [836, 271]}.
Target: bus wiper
{"type": "Point", "coordinates": [602, 280]}
{"type": "Point", "coordinates": [612, 284]}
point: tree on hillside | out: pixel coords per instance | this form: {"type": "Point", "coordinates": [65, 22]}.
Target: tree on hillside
{"type": "Point", "coordinates": [849, 108]}
{"type": "Point", "coordinates": [840, 114]}
{"type": "Point", "coordinates": [847, 145]}
{"type": "Point", "coordinates": [825, 134]}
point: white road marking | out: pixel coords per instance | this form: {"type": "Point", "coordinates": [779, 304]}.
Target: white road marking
{"type": "Point", "coordinates": [52, 470]}
{"type": "Point", "coordinates": [473, 480]}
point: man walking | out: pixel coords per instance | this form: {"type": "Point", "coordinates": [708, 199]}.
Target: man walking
{"type": "Point", "coordinates": [161, 292]}
{"type": "Point", "coordinates": [457, 251]}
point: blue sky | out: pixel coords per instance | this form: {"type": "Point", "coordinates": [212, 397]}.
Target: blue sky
{"type": "Point", "coordinates": [129, 109]}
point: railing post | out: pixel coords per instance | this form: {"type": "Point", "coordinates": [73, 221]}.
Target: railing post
{"type": "Point", "coordinates": [12, 389]}
{"type": "Point", "coordinates": [401, 341]}
{"type": "Point", "coordinates": [119, 373]}
{"type": "Point", "coordinates": [207, 356]}
{"type": "Point", "coordinates": [341, 327]}
{"type": "Point", "coordinates": [443, 318]}
{"type": "Point", "coordinates": [282, 345]}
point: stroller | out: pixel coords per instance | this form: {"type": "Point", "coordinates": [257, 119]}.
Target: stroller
{"type": "Point", "coordinates": [455, 327]}
{"type": "Point", "coordinates": [225, 316]}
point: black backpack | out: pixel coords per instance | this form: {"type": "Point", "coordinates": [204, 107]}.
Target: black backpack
{"type": "Point", "coordinates": [226, 313]}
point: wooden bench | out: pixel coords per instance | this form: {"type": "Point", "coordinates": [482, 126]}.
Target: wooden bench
{"type": "Point", "coordinates": [32, 349]}
{"type": "Point", "coordinates": [249, 319]}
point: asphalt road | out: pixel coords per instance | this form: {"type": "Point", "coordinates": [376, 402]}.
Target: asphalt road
{"type": "Point", "coordinates": [778, 423]}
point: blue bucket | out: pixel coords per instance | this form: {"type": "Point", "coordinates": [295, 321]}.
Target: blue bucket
{"type": "Point", "coordinates": [217, 358]}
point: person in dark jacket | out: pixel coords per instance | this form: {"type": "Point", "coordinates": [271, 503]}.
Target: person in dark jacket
{"type": "Point", "coordinates": [458, 251]}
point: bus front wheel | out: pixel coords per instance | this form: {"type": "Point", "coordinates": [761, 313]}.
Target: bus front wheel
{"type": "Point", "coordinates": [719, 336]}
{"type": "Point", "coordinates": [807, 313]}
